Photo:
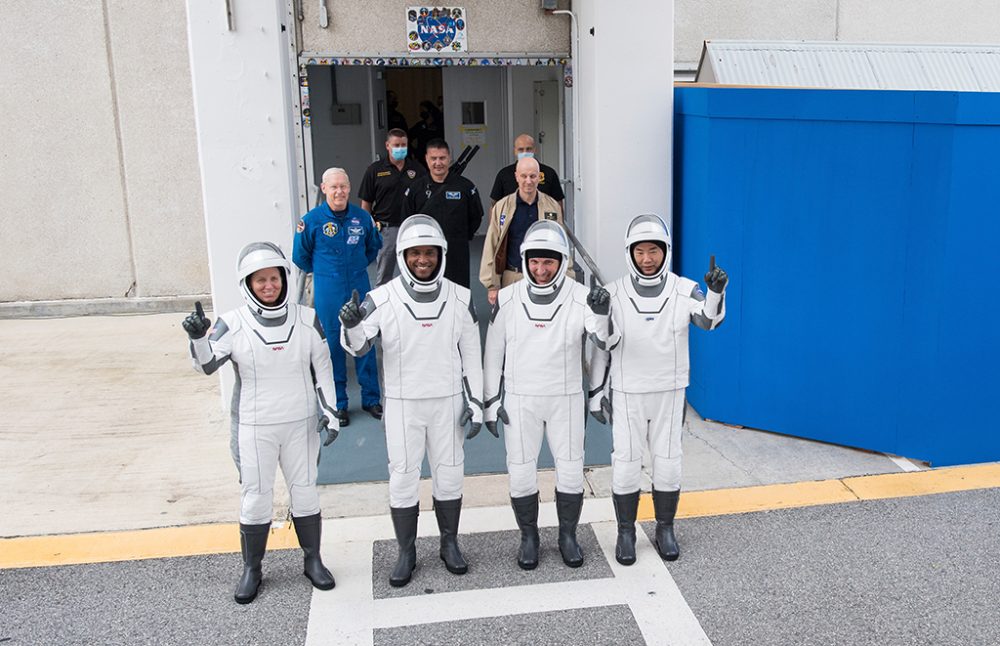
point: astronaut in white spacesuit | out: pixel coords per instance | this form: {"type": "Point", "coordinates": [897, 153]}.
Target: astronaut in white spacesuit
{"type": "Point", "coordinates": [283, 380]}
{"type": "Point", "coordinates": [534, 355]}
{"type": "Point", "coordinates": [433, 383]}
{"type": "Point", "coordinates": [651, 309]}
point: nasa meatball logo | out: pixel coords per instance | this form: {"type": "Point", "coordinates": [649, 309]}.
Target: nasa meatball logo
{"type": "Point", "coordinates": [330, 229]}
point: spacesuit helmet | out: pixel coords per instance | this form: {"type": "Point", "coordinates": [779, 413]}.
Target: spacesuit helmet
{"type": "Point", "coordinates": [546, 239]}
{"type": "Point", "coordinates": [261, 255]}
{"type": "Point", "coordinates": [647, 228]}
{"type": "Point", "coordinates": [420, 230]}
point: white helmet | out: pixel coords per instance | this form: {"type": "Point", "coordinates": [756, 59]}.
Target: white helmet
{"type": "Point", "coordinates": [647, 228]}
{"type": "Point", "coordinates": [545, 239]}
{"type": "Point", "coordinates": [420, 230]}
{"type": "Point", "coordinates": [261, 255]}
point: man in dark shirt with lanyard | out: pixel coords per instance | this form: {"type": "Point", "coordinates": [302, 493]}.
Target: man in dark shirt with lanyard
{"type": "Point", "coordinates": [381, 195]}
{"type": "Point", "coordinates": [453, 201]}
{"type": "Point", "coordinates": [548, 180]}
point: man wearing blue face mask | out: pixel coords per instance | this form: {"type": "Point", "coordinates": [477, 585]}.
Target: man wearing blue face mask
{"type": "Point", "coordinates": [548, 180]}
{"type": "Point", "coordinates": [381, 194]}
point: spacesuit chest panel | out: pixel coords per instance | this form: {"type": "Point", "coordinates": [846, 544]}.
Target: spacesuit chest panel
{"type": "Point", "coordinates": [275, 379]}
{"type": "Point", "coordinates": [653, 353]}
{"type": "Point", "coordinates": [420, 345]}
{"type": "Point", "coordinates": [544, 345]}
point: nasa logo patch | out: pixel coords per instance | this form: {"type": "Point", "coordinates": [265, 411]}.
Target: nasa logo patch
{"type": "Point", "coordinates": [330, 229]}
{"type": "Point", "coordinates": [503, 218]}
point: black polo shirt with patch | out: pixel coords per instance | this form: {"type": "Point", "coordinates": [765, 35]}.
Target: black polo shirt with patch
{"type": "Point", "coordinates": [384, 187]}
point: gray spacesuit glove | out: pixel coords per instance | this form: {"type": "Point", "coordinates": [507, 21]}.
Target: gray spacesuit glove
{"type": "Point", "coordinates": [491, 425]}
{"type": "Point", "coordinates": [599, 301]}
{"type": "Point", "coordinates": [716, 278]}
{"type": "Point", "coordinates": [600, 408]}
{"type": "Point", "coordinates": [331, 431]}
{"type": "Point", "coordinates": [350, 313]}
{"type": "Point", "coordinates": [475, 415]}
{"type": "Point", "coordinates": [196, 324]}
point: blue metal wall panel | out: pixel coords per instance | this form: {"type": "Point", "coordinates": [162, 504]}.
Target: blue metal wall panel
{"type": "Point", "coordinates": [860, 230]}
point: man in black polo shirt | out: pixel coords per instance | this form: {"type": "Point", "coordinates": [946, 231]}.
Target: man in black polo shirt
{"type": "Point", "coordinates": [453, 201]}
{"type": "Point", "coordinates": [548, 180]}
{"type": "Point", "coordinates": [381, 195]}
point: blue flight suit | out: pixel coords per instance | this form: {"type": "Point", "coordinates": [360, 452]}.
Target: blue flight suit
{"type": "Point", "coordinates": [337, 248]}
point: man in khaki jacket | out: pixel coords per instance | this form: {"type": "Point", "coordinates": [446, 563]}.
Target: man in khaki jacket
{"type": "Point", "coordinates": [510, 218]}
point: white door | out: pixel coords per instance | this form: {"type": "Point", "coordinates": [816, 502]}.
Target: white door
{"type": "Point", "coordinates": [475, 113]}
{"type": "Point", "coordinates": [547, 126]}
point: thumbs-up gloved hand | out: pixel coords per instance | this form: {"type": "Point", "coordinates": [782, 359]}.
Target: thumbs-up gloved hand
{"type": "Point", "coordinates": [350, 313]}
{"type": "Point", "coordinates": [599, 301]}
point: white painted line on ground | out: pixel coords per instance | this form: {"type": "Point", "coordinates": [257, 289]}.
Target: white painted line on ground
{"type": "Point", "coordinates": [903, 463]}
{"type": "Point", "coordinates": [343, 616]}
{"type": "Point", "coordinates": [657, 604]}
{"type": "Point", "coordinates": [495, 602]}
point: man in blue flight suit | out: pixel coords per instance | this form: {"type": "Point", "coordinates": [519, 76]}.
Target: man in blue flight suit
{"type": "Point", "coordinates": [336, 241]}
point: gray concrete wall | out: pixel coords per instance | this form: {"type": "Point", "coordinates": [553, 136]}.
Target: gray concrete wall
{"type": "Point", "coordinates": [64, 233]}
{"type": "Point", "coordinates": [509, 26]}
{"type": "Point", "coordinates": [890, 21]}
{"type": "Point", "coordinates": [162, 182]}
{"type": "Point", "coordinates": [98, 167]}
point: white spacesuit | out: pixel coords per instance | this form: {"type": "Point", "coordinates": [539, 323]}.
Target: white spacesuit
{"type": "Point", "coordinates": [283, 378]}
{"type": "Point", "coordinates": [534, 351]}
{"type": "Point", "coordinates": [433, 381]}
{"type": "Point", "coordinates": [651, 311]}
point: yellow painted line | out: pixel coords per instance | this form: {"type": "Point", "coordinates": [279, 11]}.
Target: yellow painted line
{"type": "Point", "coordinates": [101, 547]}
{"type": "Point", "coordinates": [70, 549]}
{"type": "Point", "coordinates": [920, 483]}
{"type": "Point", "coordinates": [719, 502]}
